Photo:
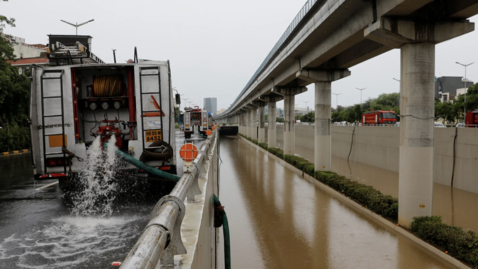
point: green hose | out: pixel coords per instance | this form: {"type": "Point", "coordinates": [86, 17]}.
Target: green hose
{"type": "Point", "coordinates": [144, 166]}
{"type": "Point", "coordinates": [225, 229]}
{"type": "Point", "coordinates": [227, 243]}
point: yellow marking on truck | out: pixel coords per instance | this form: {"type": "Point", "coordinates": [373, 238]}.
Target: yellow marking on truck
{"type": "Point", "coordinates": [57, 141]}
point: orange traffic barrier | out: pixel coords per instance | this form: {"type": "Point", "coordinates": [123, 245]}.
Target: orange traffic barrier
{"type": "Point", "coordinates": [188, 152]}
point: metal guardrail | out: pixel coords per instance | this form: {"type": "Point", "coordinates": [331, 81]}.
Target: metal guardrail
{"type": "Point", "coordinates": [298, 18]}
{"type": "Point", "coordinates": [161, 239]}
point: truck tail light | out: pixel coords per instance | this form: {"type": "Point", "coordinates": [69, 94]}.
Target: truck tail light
{"type": "Point", "coordinates": [51, 162]}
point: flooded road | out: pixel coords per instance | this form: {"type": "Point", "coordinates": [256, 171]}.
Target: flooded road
{"type": "Point", "coordinates": [453, 205]}
{"type": "Point", "coordinates": [279, 220]}
{"type": "Point", "coordinates": [37, 229]}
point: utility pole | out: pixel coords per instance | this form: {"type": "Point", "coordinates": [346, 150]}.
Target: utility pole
{"type": "Point", "coordinates": [360, 94]}
{"type": "Point", "coordinates": [337, 100]}
{"type": "Point", "coordinates": [76, 25]}
{"type": "Point", "coordinates": [465, 80]}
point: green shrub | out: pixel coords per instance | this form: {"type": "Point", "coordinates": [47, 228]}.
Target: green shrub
{"type": "Point", "coordinates": [367, 196]}
{"type": "Point", "coordinates": [460, 244]}
{"type": "Point", "coordinates": [277, 152]}
{"type": "Point", "coordinates": [14, 138]}
{"type": "Point", "coordinates": [176, 125]}
{"type": "Point", "coordinates": [255, 141]}
{"type": "Point", "coordinates": [263, 145]}
{"type": "Point", "coordinates": [309, 170]}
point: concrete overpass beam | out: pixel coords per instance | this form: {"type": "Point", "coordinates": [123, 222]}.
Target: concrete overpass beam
{"type": "Point", "coordinates": [416, 131]}
{"type": "Point", "coordinates": [313, 76]}
{"type": "Point", "coordinates": [395, 33]}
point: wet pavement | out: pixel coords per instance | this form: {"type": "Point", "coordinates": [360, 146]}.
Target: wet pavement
{"type": "Point", "coordinates": [279, 220]}
{"type": "Point", "coordinates": [37, 229]}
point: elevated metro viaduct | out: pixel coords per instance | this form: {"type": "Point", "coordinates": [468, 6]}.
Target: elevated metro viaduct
{"type": "Point", "coordinates": [329, 36]}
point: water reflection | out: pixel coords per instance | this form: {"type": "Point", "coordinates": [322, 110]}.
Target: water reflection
{"type": "Point", "coordinates": [280, 220]}
{"type": "Point", "coordinates": [453, 205]}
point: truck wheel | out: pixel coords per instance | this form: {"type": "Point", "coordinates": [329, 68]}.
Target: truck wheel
{"type": "Point", "coordinates": [187, 135]}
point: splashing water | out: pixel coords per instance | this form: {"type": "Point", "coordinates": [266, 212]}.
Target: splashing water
{"type": "Point", "coordinates": [72, 242]}
{"type": "Point", "coordinates": [98, 190]}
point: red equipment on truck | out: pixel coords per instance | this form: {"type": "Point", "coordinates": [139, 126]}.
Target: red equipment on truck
{"type": "Point", "coordinates": [379, 117]}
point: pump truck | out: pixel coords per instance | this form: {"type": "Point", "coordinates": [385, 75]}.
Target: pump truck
{"type": "Point", "coordinates": [196, 118]}
{"type": "Point", "coordinates": [71, 105]}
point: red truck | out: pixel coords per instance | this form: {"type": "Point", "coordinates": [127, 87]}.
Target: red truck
{"type": "Point", "coordinates": [379, 117]}
{"type": "Point", "coordinates": [471, 119]}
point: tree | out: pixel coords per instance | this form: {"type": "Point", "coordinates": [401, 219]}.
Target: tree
{"type": "Point", "coordinates": [471, 101]}
{"type": "Point", "coordinates": [309, 117]}
{"type": "Point", "coordinates": [14, 88]}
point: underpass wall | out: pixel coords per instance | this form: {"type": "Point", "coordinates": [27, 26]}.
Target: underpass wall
{"type": "Point", "coordinates": [379, 147]}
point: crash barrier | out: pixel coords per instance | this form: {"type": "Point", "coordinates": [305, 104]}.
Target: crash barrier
{"type": "Point", "coordinates": [14, 152]}
{"type": "Point", "coordinates": [161, 239]}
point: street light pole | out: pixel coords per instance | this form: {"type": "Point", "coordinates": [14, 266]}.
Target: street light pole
{"type": "Point", "coordinates": [360, 94]}
{"type": "Point", "coordinates": [399, 90]}
{"type": "Point", "coordinates": [306, 102]}
{"type": "Point", "coordinates": [465, 80]}
{"type": "Point", "coordinates": [337, 100]}
{"type": "Point", "coordinates": [76, 25]}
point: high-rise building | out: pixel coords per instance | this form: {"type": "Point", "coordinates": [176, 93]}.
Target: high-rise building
{"type": "Point", "coordinates": [210, 105]}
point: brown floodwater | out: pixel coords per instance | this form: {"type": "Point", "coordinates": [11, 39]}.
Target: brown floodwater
{"type": "Point", "coordinates": [278, 219]}
{"type": "Point", "coordinates": [455, 206]}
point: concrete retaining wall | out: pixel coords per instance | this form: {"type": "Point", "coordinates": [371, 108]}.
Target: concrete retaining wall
{"type": "Point", "coordinates": [379, 147]}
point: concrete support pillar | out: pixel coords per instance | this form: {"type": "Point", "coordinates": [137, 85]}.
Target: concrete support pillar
{"type": "Point", "coordinates": [240, 124]}
{"type": "Point", "coordinates": [323, 114]}
{"type": "Point", "coordinates": [289, 123]}
{"type": "Point", "coordinates": [323, 99]}
{"type": "Point", "coordinates": [262, 119]}
{"type": "Point", "coordinates": [271, 124]}
{"type": "Point", "coordinates": [416, 131]}
{"type": "Point", "coordinates": [253, 123]}
{"type": "Point", "coordinates": [247, 115]}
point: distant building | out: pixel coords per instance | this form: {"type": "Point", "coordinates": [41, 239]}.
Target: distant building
{"type": "Point", "coordinates": [221, 111]}
{"type": "Point", "coordinates": [446, 87]}
{"type": "Point", "coordinates": [27, 54]}
{"type": "Point", "coordinates": [210, 104]}
{"type": "Point", "coordinates": [299, 111]}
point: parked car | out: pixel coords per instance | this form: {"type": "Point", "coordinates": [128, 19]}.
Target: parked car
{"type": "Point", "coordinates": [439, 125]}
{"type": "Point", "coordinates": [460, 125]}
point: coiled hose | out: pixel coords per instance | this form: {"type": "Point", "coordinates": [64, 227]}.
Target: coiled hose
{"type": "Point", "coordinates": [106, 86]}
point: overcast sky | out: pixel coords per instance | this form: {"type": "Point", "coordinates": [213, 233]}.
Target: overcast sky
{"type": "Point", "coordinates": [214, 46]}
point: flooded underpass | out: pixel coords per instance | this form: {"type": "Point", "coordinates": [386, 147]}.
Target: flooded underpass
{"type": "Point", "coordinates": [279, 220]}
{"type": "Point", "coordinates": [452, 204]}
{"type": "Point", "coordinates": [39, 230]}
